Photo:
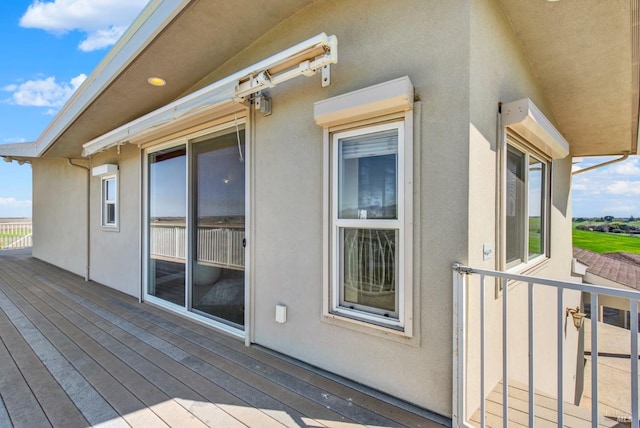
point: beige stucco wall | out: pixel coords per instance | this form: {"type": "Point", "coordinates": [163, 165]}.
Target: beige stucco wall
{"type": "Point", "coordinates": [500, 72]}
{"type": "Point", "coordinates": [60, 213]}
{"type": "Point", "coordinates": [427, 41]}
{"type": "Point", "coordinates": [60, 219]}
{"type": "Point", "coordinates": [463, 59]}
{"type": "Point", "coordinates": [115, 252]}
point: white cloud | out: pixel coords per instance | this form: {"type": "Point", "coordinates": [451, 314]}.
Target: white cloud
{"type": "Point", "coordinates": [44, 92]}
{"type": "Point", "coordinates": [610, 190]}
{"type": "Point", "coordinates": [103, 21]}
{"type": "Point", "coordinates": [10, 88]}
{"type": "Point", "coordinates": [14, 140]}
{"type": "Point", "coordinates": [13, 203]}
{"type": "Point", "coordinates": [102, 38]}
{"type": "Point", "coordinates": [629, 167]}
{"type": "Point", "coordinates": [624, 188]}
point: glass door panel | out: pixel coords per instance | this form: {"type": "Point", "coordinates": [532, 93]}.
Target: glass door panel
{"type": "Point", "coordinates": [167, 224]}
{"type": "Point", "coordinates": [217, 286]}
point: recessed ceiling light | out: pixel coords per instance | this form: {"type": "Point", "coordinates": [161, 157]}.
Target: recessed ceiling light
{"type": "Point", "coordinates": [156, 81]}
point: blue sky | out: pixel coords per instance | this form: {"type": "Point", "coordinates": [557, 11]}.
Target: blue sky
{"type": "Point", "coordinates": [51, 46]}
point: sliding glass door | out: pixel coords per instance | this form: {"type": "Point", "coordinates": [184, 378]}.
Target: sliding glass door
{"type": "Point", "coordinates": [167, 224]}
{"type": "Point", "coordinates": [218, 176]}
{"type": "Point", "coordinates": [196, 226]}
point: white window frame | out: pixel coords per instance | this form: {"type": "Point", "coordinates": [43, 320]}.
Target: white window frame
{"type": "Point", "coordinates": [384, 106]}
{"type": "Point", "coordinates": [528, 151]}
{"type": "Point", "coordinates": [525, 127]}
{"type": "Point", "coordinates": [337, 248]}
{"type": "Point", "coordinates": [104, 212]}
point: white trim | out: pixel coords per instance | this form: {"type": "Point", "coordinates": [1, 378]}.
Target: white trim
{"type": "Point", "coordinates": [381, 99]}
{"type": "Point", "coordinates": [403, 257]}
{"type": "Point", "coordinates": [18, 150]}
{"type": "Point", "coordinates": [104, 202]}
{"type": "Point", "coordinates": [529, 122]}
{"type": "Point", "coordinates": [105, 169]}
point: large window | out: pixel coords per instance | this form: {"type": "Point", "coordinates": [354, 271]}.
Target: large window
{"type": "Point", "coordinates": [526, 205]}
{"type": "Point", "coordinates": [368, 196]}
{"type": "Point", "coordinates": [368, 226]}
{"type": "Point", "coordinates": [110, 201]}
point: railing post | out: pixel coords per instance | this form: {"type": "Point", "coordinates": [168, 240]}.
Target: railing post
{"type": "Point", "coordinates": [634, 362]}
{"type": "Point", "coordinates": [505, 353]}
{"type": "Point", "coordinates": [483, 412]}
{"type": "Point", "coordinates": [594, 360]}
{"type": "Point", "coordinates": [531, 358]}
{"type": "Point", "coordinates": [560, 357]}
{"type": "Point", "coordinates": [459, 383]}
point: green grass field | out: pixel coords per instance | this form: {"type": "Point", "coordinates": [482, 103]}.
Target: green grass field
{"type": "Point", "coordinates": [600, 242]}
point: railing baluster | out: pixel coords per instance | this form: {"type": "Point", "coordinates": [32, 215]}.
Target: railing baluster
{"type": "Point", "coordinates": [594, 360]}
{"type": "Point", "coordinates": [482, 353]}
{"type": "Point", "coordinates": [560, 363]}
{"type": "Point", "coordinates": [531, 359]}
{"type": "Point", "coordinates": [564, 326]}
{"type": "Point", "coordinates": [634, 362]}
{"type": "Point", "coordinates": [505, 354]}
{"type": "Point", "coordinates": [459, 354]}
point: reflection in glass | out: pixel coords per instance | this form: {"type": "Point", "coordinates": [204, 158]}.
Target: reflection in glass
{"type": "Point", "coordinates": [536, 206]}
{"type": "Point", "coordinates": [369, 273]}
{"type": "Point", "coordinates": [515, 200]}
{"type": "Point", "coordinates": [219, 217]}
{"type": "Point", "coordinates": [167, 224]}
{"type": "Point", "coordinates": [367, 176]}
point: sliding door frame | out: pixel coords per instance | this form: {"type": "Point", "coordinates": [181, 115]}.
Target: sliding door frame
{"type": "Point", "coordinates": [186, 310]}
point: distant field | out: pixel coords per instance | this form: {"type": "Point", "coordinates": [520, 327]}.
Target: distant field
{"type": "Point", "coordinates": [600, 242]}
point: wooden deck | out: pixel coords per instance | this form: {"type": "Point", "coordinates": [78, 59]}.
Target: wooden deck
{"type": "Point", "coordinates": [75, 353]}
{"type": "Point", "coordinates": [546, 410]}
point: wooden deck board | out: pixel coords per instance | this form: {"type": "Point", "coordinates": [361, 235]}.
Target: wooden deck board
{"type": "Point", "coordinates": [105, 358]}
{"type": "Point", "coordinates": [545, 410]}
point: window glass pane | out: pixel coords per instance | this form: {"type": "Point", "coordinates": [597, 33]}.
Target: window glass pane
{"type": "Point", "coordinates": [536, 207]}
{"type": "Point", "coordinates": [167, 224]}
{"type": "Point", "coordinates": [111, 214]}
{"type": "Point", "coordinates": [110, 189]}
{"type": "Point", "coordinates": [367, 176]}
{"type": "Point", "coordinates": [369, 274]}
{"type": "Point", "coordinates": [219, 215]}
{"type": "Point", "coordinates": [515, 205]}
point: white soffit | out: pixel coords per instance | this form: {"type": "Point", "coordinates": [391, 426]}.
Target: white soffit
{"type": "Point", "coordinates": [384, 98]}
{"type": "Point", "coordinates": [529, 122]}
{"type": "Point", "coordinates": [302, 59]}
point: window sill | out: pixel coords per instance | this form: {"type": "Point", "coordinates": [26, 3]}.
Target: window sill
{"type": "Point", "coordinates": [110, 228]}
{"type": "Point", "coordinates": [530, 268]}
{"type": "Point", "coordinates": [369, 328]}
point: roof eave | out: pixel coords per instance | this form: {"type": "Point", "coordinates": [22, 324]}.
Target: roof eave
{"type": "Point", "coordinates": [151, 21]}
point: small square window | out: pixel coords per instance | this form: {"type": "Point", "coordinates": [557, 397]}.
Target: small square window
{"type": "Point", "coordinates": [109, 195]}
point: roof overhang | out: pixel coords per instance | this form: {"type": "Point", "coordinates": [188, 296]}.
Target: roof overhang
{"type": "Point", "coordinates": [161, 42]}
{"type": "Point", "coordinates": [584, 53]}
{"type": "Point", "coordinates": [585, 56]}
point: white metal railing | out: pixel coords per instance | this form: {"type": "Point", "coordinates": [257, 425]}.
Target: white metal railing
{"type": "Point", "coordinates": [15, 235]}
{"type": "Point", "coordinates": [461, 326]}
{"type": "Point", "coordinates": [219, 246]}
